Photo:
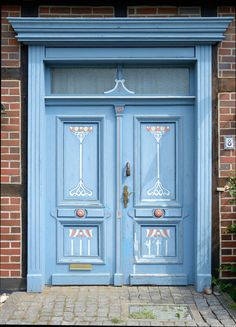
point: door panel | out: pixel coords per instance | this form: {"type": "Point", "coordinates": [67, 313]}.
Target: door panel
{"type": "Point", "coordinates": [158, 147]}
{"type": "Point", "coordinates": [80, 175]}
{"type": "Point", "coordinates": [158, 221]}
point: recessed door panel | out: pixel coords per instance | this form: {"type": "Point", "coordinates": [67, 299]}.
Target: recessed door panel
{"type": "Point", "coordinates": [80, 154]}
{"type": "Point", "coordinates": [158, 152]}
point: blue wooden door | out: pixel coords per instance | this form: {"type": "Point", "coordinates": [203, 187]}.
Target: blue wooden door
{"type": "Point", "coordinates": [157, 165]}
{"type": "Point", "coordinates": [80, 201]}
{"type": "Point", "coordinates": [158, 223]}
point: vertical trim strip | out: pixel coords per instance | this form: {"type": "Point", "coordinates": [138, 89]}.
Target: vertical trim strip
{"type": "Point", "coordinates": [36, 146]}
{"type": "Point", "coordinates": [118, 276]}
{"type": "Point", "coordinates": [204, 168]}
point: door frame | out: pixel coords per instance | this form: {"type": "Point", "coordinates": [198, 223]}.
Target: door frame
{"type": "Point", "coordinates": [158, 40]}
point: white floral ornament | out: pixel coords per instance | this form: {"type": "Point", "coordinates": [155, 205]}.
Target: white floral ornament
{"type": "Point", "coordinates": [80, 189]}
{"type": "Point", "coordinates": [158, 189]}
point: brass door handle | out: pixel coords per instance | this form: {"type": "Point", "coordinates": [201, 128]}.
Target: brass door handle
{"type": "Point", "coordinates": [126, 195]}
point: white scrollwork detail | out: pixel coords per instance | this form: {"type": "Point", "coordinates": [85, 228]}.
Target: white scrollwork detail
{"type": "Point", "coordinates": [80, 189]}
{"type": "Point", "coordinates": [158, 189]}
{"type": "Point", "coordinates": [119, 87]}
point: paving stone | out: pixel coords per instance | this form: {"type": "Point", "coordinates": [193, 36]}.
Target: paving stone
{"type": "Point", "coordinates": [89, 305]}
{"type": "Point", "coordinates": [227, 322]}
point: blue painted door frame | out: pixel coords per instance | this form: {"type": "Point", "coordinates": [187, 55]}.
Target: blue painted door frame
{"type": "Point", "coordinates": [189, 39]}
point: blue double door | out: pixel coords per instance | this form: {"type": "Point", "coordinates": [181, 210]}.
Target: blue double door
{"type": "Point", "coordinates": [120, 195]}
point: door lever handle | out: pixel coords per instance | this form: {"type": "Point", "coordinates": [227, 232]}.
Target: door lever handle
{"type": "Point", "coordinates": [127, 171]}
{"type": "Point", "coordinates": [126, 195]}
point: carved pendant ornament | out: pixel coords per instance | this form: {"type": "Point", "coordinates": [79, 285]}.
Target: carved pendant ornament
{"type": "Point", "coordinates": [80, 189]}
{"type": "Point", "coordinates": [158, 189]}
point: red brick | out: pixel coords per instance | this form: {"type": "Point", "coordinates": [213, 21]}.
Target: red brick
{"type": "Point", "coordinates": [15, 258]}
{"type": "Point", "coordinates": [228, 244]}
{"type": "Point", "coordinates": [225, 208]}
{"type": "Point", "coordinates": [5, 215]}
{"type": "Point", "coordinates": [227, 159]}
{"type": "Point", "coordinates": [10, 207]}
{"type": "Point", "coordinates": [14, 164]}
{"type": "Point", "coordinates": [15, 273]}
{"type": "Point", "coordinates": [10, 142]}
{"type": "Point", "coordinates": [15, 244]}
{"type": "Point", "coordinates": [4, 230]}
{"type": "Point", "coordinates": [5, 200]}
{"type": "Point", "coordinates": [226, 237]}
{"type": "Point", "coordinates": [11, 266]}
{"type": "Point", "coordinates": [5, 179]}
{"type": "Point", "coordinates": [11, 251]}
{"type": "Point", "coordinates": [146, 10]}
{"type": "Point", "coordinates": [4, 273]}
{"type": "Point", "coordinates": [226, 251]}
{"type": "Point", "coordinates": [167, 10]}
{"type": "Point", "coordinates": [229, 259]}
{"type": "Point", "coordinates": [15, 201]}
{"type": "Point", "coordinates": [103, 10]}
{"type": "Point", "coordinates": [10, 237]}
{"type": "Point", "coordinates": [15, 230]}
{"type": "Point", "coordinates": [4, 245]}
{"type": "Point", "coordinates": [10, 157]}
{"type": "Point", "coordinates": [11, 8]}
{"type": "Point", "coordinates": [81, 10]}
{"type": "Point", "coordinates": [10, 128]}
{"type": "Point", "coordinates": [43, 10]}
{"type": "Point", "coordinates": [4, 259]}
{"type": "Point", "coordinates": [224, 51]}
{"type": "Point", "coordinates": [59, 10]}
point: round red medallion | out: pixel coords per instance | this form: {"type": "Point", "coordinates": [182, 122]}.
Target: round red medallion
{"type": "Point", "coordinates": [80, 213]}
{"type": "Point", "coordinates": [159, 213]}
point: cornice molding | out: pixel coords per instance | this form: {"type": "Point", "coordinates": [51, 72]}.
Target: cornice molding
{"type": "Point", "coordinates": [120, 31]}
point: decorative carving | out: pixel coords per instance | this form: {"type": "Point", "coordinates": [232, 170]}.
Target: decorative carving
{"type": "Point", "coordinates": [161, 242]}
{"type": "Point", "coordinates": [158, 233]}
{"type": "Point", "coordinates": [81, 233]}
{"type": "Point", "coordinates": [81, 190]}
{"type": "Point", "coordinates": [158, 189]}
{"type": "Point", "coordinates": [119, 88]}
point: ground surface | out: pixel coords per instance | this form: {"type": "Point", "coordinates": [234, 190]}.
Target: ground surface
{"type": "Point", "coordinates": [107, 305]}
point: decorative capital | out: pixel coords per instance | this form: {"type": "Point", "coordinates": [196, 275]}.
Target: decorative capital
{"type": "Point", "coordinates": [119, 110]}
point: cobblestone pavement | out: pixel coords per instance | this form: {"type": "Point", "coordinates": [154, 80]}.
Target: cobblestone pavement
{"type": "Point", "coordinates": [107, 305]}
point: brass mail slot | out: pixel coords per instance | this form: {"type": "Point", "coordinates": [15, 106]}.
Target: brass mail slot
{"type": "Point", "coordinates": [80, 266]}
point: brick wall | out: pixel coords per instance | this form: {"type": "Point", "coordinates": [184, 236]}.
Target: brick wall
{"type": "Point", "coordinates": [11, 208]}
{"type": "Point", "coordinates": [227, 126]}
{"type": "Point", "coordinates": [162, 11]}
{"type": "Point", "coordinates": [11, 132]}
{"type": "Point", "coordinates": [10, 49]}
{"type": "Point", "coordinates": [10, 250]}
{"type": "Point", "coordinates": [76, 11]}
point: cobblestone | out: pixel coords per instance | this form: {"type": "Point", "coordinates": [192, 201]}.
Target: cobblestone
{"type": "Point", "coordinates": [107, 305]}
